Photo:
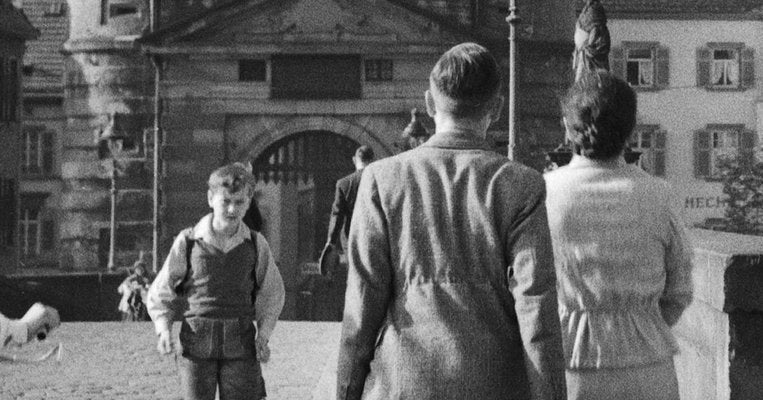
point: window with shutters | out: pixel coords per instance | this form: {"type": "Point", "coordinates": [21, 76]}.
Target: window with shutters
{"type": "Point", "coordinates": [718, 141]}
{"type": "Point", "coordinates": [723, 66]}
{"type": "Point", "coordinates": [37, 151]}
{"type": "Point", "coordinates": [644, 65]}
{"type": "Point", "coordinates": [649, 140]}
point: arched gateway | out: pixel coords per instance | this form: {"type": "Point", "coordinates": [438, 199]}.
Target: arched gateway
{"type": "Point", "coordinates": [296, 178]}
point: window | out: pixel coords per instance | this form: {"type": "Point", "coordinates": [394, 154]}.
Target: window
{"type": "Point", "coordinates": [716, 141]}
{"type": "Point", "coordinates": [725, 66]}
{"type": "Point", "coordinates": [56, 8]}
{"type": "Point", "coordinates": [7, 211]}
{"type": "Point", "coordinates": [116, 8]}
{"type": "Point", "coordinates": [650, 141]}
{"type": "Point", "coordinates": [639, 68]}
{"type": "Point", "coordinates": [36, 233]}
{"type": "Point", "coordinates": [37, 151]}
{"type": "Point", "coordinates": [252, 71]}
{"type": "Point", "coordinates": [378, 70]}
{"type": "Point", "coordinates": [724, 71]}
{"type": "Point", "coordinates": [30, 231]}
{"type": "Point", "coordinates": [9, 89]}
{"type": "Point", "coordinates": [644, 65]}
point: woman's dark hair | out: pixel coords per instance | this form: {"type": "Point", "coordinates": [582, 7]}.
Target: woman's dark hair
{"type": "Point", "coordinates": [600, 113]}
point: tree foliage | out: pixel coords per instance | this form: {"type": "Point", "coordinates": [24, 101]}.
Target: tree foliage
{"type": "Point", "coordinates": [743, 186]}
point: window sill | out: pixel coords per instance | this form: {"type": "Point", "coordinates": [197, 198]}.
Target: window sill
{"type": "Point", "coordinates": [726, 89]}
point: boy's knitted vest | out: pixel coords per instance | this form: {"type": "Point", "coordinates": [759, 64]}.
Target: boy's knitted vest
{"type": "Point", "coordinates": [221, 285]}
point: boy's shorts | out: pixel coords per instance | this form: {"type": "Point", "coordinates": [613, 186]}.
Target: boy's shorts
{"type": "Point", "coordinates": [220, 352]}
{"type": "Point", "coordinates": [222, 339]}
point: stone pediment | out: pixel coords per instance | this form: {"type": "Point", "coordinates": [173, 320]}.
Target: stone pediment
{"type": "Point", "coordinates": [274, 22]}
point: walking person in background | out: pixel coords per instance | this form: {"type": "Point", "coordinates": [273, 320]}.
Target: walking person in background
{"type": "Point", "coordinates": [621, 253]}
{"type": "Point", "coordinates": [341, 210]}
{"type": "Point", "coordinates": [234, 292]}
{"type": "Point", "coordinates": [451, 288]}
{"type": "Point", "coordinates": [344, 198]}
{"type": "Point", "coordinates": [134, 290]}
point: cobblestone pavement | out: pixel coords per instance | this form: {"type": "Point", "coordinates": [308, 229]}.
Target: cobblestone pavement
{"type": "Point", "coordinates": [113, 360]}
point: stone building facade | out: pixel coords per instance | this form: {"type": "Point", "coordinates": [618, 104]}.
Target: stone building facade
{"type": "Point", "coordinates": [292, 87]}
{"type": "Point", "coordinates": [697, 68]}
{"type": "Point", "coordinates": [40, 148]}
{"type": "Point", "coordinates": [15, 30]}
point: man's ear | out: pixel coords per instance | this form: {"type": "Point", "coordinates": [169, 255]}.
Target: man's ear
{"type": "Point", "coordinates": [209, 197]}
{"type": "Point", "coordinates": [495, 112]}
{"type": "Point", "coordinates": [429, 100]}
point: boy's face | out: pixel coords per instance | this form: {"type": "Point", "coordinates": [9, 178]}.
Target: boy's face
{"type": "Point", "coordinates": [228, 208]}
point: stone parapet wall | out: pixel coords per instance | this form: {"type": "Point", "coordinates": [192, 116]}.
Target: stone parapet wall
{"type": "Point", "coordinates": [719, 334]}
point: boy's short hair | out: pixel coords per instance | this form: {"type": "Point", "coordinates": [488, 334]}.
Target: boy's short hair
{"type": "Point", "coordinates": [468, 79]}
{"type": "Point", "coordinates": [233, 177]}
{"type": "Point", "coordinates": [365, 154]}
{"type": "Point", "coordinates": [600, 114]}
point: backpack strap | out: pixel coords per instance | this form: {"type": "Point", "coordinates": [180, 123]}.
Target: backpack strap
{"type": "Point", "coordinates": [254, 266]}
{"type": "Point", "coordinates": [189, 243]}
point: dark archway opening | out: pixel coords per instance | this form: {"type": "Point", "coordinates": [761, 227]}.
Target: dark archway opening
{"type": "Point", "coordinates": [296, 177]}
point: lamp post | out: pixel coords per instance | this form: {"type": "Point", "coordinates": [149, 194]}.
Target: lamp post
{"type": "Point", "coordinates": [513, 20]}
{"type": "Point", "coordinates": [115, 143]}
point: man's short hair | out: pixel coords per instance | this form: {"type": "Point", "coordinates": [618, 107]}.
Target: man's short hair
{"type": "Point", "coordinates": [600, 114]}
{"type": "Point", "coordinates": [233, 177]}
{"type": "Point", "coordinates": [364, 154]}
{"type": "Point", "coordinates": [468, 79]}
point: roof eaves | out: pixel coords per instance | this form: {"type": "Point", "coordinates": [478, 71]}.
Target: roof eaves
{"type": "Point", "coordinates": [198, 22]}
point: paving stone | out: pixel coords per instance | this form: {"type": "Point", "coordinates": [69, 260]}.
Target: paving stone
{"type": "Point", "coordinates": [118, 361]}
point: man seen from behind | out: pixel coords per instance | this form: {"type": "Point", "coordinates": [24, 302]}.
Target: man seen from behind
{"type": "Point", "coordinates": [451, 284]}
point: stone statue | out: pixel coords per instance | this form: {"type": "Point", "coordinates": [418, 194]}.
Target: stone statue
{"type": "Point", "coordinates": [592, 41]}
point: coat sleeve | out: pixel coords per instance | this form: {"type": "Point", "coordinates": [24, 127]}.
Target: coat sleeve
{"type": "Point", "coordinates": [161, 295]}
{"type": "Point", "coordinates": [338, 215]}
{"type": "Point", "coordinates": [368, 290]}
{"type": "Point", "coordinates": [678, 290]}
{"type": "Point", "coordinates": [533, 285]}
{"type": "Point", "coordinates": [271, 295]}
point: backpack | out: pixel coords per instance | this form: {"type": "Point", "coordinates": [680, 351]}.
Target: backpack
{"type": "Point", "coordinates": [189, 243]}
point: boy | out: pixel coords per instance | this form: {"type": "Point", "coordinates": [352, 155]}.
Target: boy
{"type": "Point", "coordinates": [234, 293]}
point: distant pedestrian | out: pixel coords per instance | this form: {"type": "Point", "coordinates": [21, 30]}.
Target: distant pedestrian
{"type": "Point", "coordinates": [622, 257]}
{"type": "Point", "coordinates": [344, 198]}
{"type": "Point", "coordinates": [234, 291]}
{"type": "Point", "coordinates": [451, 288]}
{"type": "Point", "coordinates": [134, 290]}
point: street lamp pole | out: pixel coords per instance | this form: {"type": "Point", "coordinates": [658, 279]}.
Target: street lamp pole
{"type": "Point", "coordinates": [114, 143]}
{"type": "Point", "coordinates": [513, 20]}
{"type": "Point", "coordinates": [113, 214]}
{"type": "Point", "coordinates": [155, 6]}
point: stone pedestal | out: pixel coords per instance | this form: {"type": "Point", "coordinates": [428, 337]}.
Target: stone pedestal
{"type": "Point", "coordinates": [719, 334]}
